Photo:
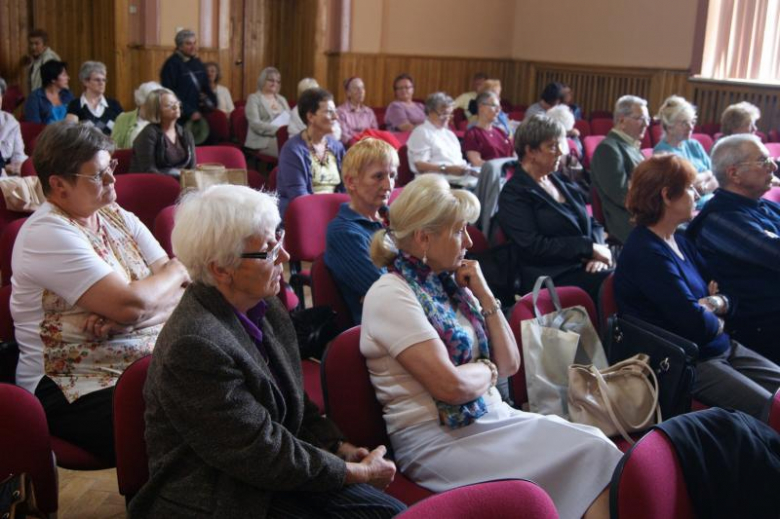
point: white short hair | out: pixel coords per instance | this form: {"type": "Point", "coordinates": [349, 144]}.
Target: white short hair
{"type": "Point", "coordinates": [730, 151]}
{"type": "Point", "coordinates": [143, 91]}
{"type": "Point", "coordinates": [213, 225]}
{"type": "Point", "coordinates": [306, 83]}
{"type": "Point", "coordinates": [625, 105]}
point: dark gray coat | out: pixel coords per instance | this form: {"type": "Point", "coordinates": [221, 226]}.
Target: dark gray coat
{"type": "Point", "coordinates": [221, 435]}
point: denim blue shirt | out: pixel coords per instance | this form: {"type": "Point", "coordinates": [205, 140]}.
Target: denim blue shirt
{"type": "Point", "coordinates": [38, 108]}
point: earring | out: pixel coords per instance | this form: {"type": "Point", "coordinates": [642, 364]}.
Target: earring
{"type": "Point", "coordinates": [425, 258]}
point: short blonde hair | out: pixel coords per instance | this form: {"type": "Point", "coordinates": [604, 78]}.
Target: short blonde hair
{"type": "Point", "coordinates": [152, 108]}
{"type": "Point", "coordinates": [213, 226]}
{"type": "Point", "coordinates": [307, 83]}
{"type": "Point", "coordinates": [366, 152]}
{"type": "Point", "coordinates": [673, 109]}
{"type": "Point", "coordinates": [738, 115]}
{"type": "Point", "coordinates": [491, 85]}
{"type": "Point", "coordinates": [426, 204]}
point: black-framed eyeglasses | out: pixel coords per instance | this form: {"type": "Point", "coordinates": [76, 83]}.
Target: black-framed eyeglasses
{"type": "Point", "coordinates": [98, 177]}
{"type": "Point", "coordinates": [270, 255]}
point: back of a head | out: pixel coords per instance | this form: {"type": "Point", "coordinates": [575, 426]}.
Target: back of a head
{"type": "Point", "coordinates": [737, 116]}
{"type": "Point", "coordinates": [552, 93]}
{"type": "Point", "coordinates": [143, 90]}
{"type": "Point", "coordinates": [563, 114]}
{"type": "Point", "coordinates": [426, 204]}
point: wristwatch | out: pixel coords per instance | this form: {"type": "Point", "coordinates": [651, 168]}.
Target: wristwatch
{"type": "Point", "coordinates": [491, 311]}
{"type": "Point", "coordinates": [443, 168]}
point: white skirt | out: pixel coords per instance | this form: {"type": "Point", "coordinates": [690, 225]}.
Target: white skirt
{"type": "Point", "coordinates": [573, 463]}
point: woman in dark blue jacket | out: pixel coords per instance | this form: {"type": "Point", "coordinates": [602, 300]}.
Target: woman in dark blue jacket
{"type": "Point", "coordinates": [662, 279]}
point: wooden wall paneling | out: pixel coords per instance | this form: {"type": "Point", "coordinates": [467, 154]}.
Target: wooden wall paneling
{"type": "Point", "coordinates": [711, 98]}
{"type": "Point", "coordinates": [15, 16]}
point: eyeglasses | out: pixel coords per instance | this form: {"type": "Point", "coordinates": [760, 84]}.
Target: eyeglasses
{"type": "Point", "coordinates": [404, 87]}
{"type": "Point", "coordinates": [172, 106]}
{"type": "Point", "coordinates": [491, 105]}
{"type": "Point", "coordinates": [98, 177]}
{"type": "Point", "coordinates": [642, 118]}
{"type": "Point", "coordinates": [270, 255]}
{"type": "Point", "coordinates": [444, 115]}
{"type": "Point", "coordinates": [98, 79]}
{"type": "Point", "coordinates": [764, 162]}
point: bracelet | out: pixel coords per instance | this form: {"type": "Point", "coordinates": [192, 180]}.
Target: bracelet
{"type": "Point", "coordinates": [495, 309]}
{"type": "Point", "coordinates": [493, 370]}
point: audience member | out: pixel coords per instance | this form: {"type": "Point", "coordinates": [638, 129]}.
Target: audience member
{"type": "Point", "coordinates": [296, 124]}
{"type": "Point", "coordinates": [185, 75]}
{"type": "Point", "coordinates": [738, 233]}
{"type": "Point", "coordinates": [678, 118]}
{"type": "Point", "coordinates": [49, 103]}
{"type": "Point", "coordinates": [739, 118]}
{"type": "Point", "coordinates": [266, 111]}
{"type": "Point", "coordinates": [11, 144]}
{"type": "Point", "coordinates": [251, 443]}
{"type": "Point", "coordinates": [354, 116]}
{"type": "Point", "coordinates": [224, 99]}
{"type": "Point", "coordinates": [310, 162]}
{"type": "Point", "coordinates": [567, 98]}
{"type": "Point", "coordinates": [435, 358]}
{"type": "Point", "coordinates": [90, 288]}
{"type": "Point", "coordinates": [545, 218]}
{"type": "Point", "coordinates": [466, 98]}
{"type": "Point", "coordinates": [404, 114]}
{"type": "Point", "coordinates": [40, 53]}
{"type": "Point", "coordinates": [484, 141]}
{"type": "Point", "coordinates": [128, 125]}
{"type": "Point", "coordinates": [369, 172]}
{"type": "Point", "coordinates": [433, 147]}
{"type": "Point", "coordinates": [662, 279]}
{"type": "Point", "coordinates": [163, 146]}
{"type": "Point", "coordinates": [93, 106]}
{"type": "Point", "coordinates": [502, 120]}
{"type": "Point", "coordinates": [552, 95]}
{"type": "Point", "coordinates": [615, 159]}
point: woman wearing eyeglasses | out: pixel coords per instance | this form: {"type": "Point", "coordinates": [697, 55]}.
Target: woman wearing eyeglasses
{"type": "Point", "coordinates": [545, 218]}
{"type": "Point", "coordinates": [404, 114]}
{"type": "Point", "coordinates": [484, 141]}
{"type": "Point", "coordinates": [251, 442]}
{"type": "Point", "coordinates": [163, 146]}
{"type": "Point", "coordinates": [93, 106]}
{"type": "Point", "coordinates": [91, 288]}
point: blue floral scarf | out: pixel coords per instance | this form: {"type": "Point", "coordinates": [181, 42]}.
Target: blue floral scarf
{"type": "Point", "coordinates": [434, 292]}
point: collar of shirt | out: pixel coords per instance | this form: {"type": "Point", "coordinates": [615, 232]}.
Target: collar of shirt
{"type": "Point", "coordinates": [85, 102]}
{"type": "Point", "coordinates": [350, 214]}
{"type": "Point", "coordinates": [626, 137]}
{"type": "Point", "coordinates": [252, 322]}
{"type": "Point", "coordinates": [183, 56]}
{"type": "Point", "coordinates": [738, 199]}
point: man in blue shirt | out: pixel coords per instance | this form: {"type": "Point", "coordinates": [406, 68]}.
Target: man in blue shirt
{"type": "Point", "coordinates": [738, 233]}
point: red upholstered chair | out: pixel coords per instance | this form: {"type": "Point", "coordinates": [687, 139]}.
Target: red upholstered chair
{"type": "Point", "coordinates": [286, 295]}
{"type": "Point", "coordinates": [325, 292]}
{"type": "Point", "coordinates": [405, 174]}
{"type": "Point", "coordinates": [28, 168]}
{"type": "Point", "coordinates": [583, 126]}
{"type": "Point", "coordinates": [240, 127]}
{"type": "Point", "coordinates": [163, 227]}
{"type": "Point", "coordinates": [305, 224]}
{"type": "Point", "coordinates": [645, 143]}
{"type": "Point", "coordinates": [480, 242]}
{"type": "Point", "coordinates": [219, 127]}
{"type": "Point", "coordinates": [717, 136]}
{"type": "Point", "coordinates": [600, 114]}
{"type": "Point", "coordinates": [7, 216]}
{"type": "Point", "coordinates": [774, 136]}
{"type": "Point", "coordinates": [379, 112]}
{"type": "Point", "coordinates": [6, 321]}
{"type": "Point", "coordinates": [282, 136]}
{"type": "Point", "coordinates": [589, 145]}
{"type": "Point", "coordinates": [656, 132]}
{"type": "Point", "coordinates": [647, 152]}
{"type": "Point", "coordinates": [230, 157]}
{"type": "Point", "coordinates": [710, 129]}
{"type": "Point", "coordinates": [598, 209]}
{"type": "Point", "coordinates": [12, 98]}
{"type": "Point", "coordinates": [30, 132]}
{"type": "Point", "coordinates": [146, 194]}
{"type": "Point", "coordinates": [459, 117]}
{"type": "Point", "coordinates": [132, 469]}
{"type": "Point", "coordinates": [774, 149]}
{"type": "Point", "coordinates": [125, 157]}
{"type": "Point", "coordinates": [397, 191]}
{"type": "Point", "coordinates": [705, 140]}
{"type": "Point", "coordinates": [516, 115]}
{"type": "Point", "coordinates": [600, 126]}
{"type": "Point", "coordinates": [7, 240]}
{"type": "Point", "coordinates": [350, 401]}
{"type": "Point", "coordinates": [502, 499]}
{"type": "Point", "coordinates": [607, 302]}
{"type": "Point", "coordinates": [271, 184]}
{"type": "Point", "coordinates": [773, 194]}
{"type": "Point", "coordinates": [761, 135]}
{"type": "Point", "coordinates": [524, 309]}
{"type": "Point", "coordinates": [25, 445]}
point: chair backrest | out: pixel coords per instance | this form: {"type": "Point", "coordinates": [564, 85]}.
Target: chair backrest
{"type": "Point", "coordinates": [600, 114]}
{"type": "Point", "coordinates": [28, 168]}
{"type": "Point", "coordinates": [459, 116]}
{"type": "Point", "coordinates": [229, 156]}
{"type": "Point", "coordinates": [480, 242]}
{"type": "Point", "coordinates": [774, 149]}
{"type": "Point", "coordinates": [601, 126]}
{"type": "Point", "coordinates": [583, 127]}
{"type": "Point", "coordinates": [350, 400]}
{"type": "Point", "coordinates": [649, 483]}
{"type": "Point", "coordinates": [146, 194]}
{"type": "Point", "coordinates": [589, 145]}
{"type": "Point", "coordinates": [405, 174]}
{"type": "Point", "coordinates": [394, 194]}
{"type": "Point", "coordinates": [306, 224]}
{"type": "Point", "coordinates": [219, 126]}
{"type": "Point", "coordinates": [163, 227]}
{"type": "Point", "coordinates": [132, 469]}
{"type": "Point", "coordinates": [12, 98]}
{"type": "Point", "coordinates": [379, 112]}
{"type": "Point", "coordinates": [325, 292]}
{"type": "Point", "coordinates": [761, 135]}
{"type": "Point", "coordinates": [773, 194]}
{"type": "Point", "coordinates": [6, 321]}
{"type": "Point", "coordinates": [607, 301]}
{"type": "Point", "coordinates": [647, 152]}
{"type": "Point", "coordinates": [656, 132]}
{"type": "Point", "coordinates": [774, 136]}
{"type": "Point", "coordinates": [502, 499]}
{"type": "Point", "coordinates": [705, 141]}
{"type": "Point", "coordinates": [30, 132]}
{"type": "Point", "coordinates": [271, 183]}
{"type": "Point", "coordinates": [524, 309]}
{"type": "Point", "coordinates": [7, 240]}
{"type": "Point", "coordinates": [598, 208]}
{"type": "Point", "coordinates": [282, 135]}
{"type": "Point", "coordinates": [125, 157]}
{"type": "Point", "coordinates": [25, 444]}
{"type": "Point", "coordinates": [710, 129]}
{"type": "Point", "coordinates": [516, 115]}
{"type": "Point", "coordinates": [239, 124]}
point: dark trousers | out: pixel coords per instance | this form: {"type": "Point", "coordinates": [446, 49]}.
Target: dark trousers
{"type": "Point", "coordinates": [764, 339]}
{"type": "Point", "coordinates": [351, 502]}
{"type": "Point", "coordinates": [87, 422]}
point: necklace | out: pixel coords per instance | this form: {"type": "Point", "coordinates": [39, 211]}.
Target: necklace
{"type": "Point", "coordinates": [322, 157]}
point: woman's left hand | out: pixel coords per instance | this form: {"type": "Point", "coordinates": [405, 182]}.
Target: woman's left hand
{"type": "Point", "coordinates": [349, 452]}
{"type": "Point", "coordinates": [469, 275]}
{"type": "Point", "coordinates": [595, 266]}
{"type": "Point", "coordinates": [101, 327]}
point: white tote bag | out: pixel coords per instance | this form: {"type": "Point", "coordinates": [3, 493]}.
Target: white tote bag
{"type": "Point", "coordinates": [551, 343]}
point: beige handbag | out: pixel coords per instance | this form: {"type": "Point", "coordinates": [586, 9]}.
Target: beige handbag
{"type": "Point", "coordinates": [622, 398]}
{"type": "Point", "coordinates": [207, 175]}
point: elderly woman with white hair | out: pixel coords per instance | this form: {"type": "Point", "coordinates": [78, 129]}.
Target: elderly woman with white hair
{"type": "Point", "coordinates": [678, 117]}
{"type": "Point", "coordinates": [296, 124]}
{"type": "Point", "coordinates": [93, 106]}
{"type": "Point", "coordinates": [251, 443]}
{"type": "Point", "coordinates": [266, 111]}
{"type": "Point", "coordinates": [739, 118]}
{"type": "Point", "coordinates": [128, 125]}
{"type": "Point", "coordinates": [435, 359]}
{"type": "Point", "coordinates": [11, 144]}
{"type": "Point", "coordinates": [433, 147]}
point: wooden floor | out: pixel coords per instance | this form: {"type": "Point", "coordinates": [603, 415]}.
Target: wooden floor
{"type": "Point", "coordinates": [89, 494]}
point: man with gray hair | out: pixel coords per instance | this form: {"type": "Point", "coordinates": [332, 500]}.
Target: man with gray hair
{"type": "Point", "coordinates": [738, 234]}
{"type": "Point", "coordinates": [186, 75]}
{"type": "Point", "coordinates": [615, 159]}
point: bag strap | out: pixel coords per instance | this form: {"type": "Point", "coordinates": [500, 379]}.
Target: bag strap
{"type": "Point", "coordinates": [548, 283]}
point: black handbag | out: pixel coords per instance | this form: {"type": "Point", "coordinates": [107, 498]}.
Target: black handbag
{"type": "Point", "coordinates": [17, 498]}
{"type": "Point", "coordinates": [315, 328]}
{"type": "Point", "coordinates": [672, 358]}
{"type": "Point", "coordinates": [9, 357]}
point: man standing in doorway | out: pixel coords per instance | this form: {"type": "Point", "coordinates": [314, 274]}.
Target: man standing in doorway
{"type": "Point", "coordinates": [40, 53]}
{"type": "Point", "coordinates": [186, 75]}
